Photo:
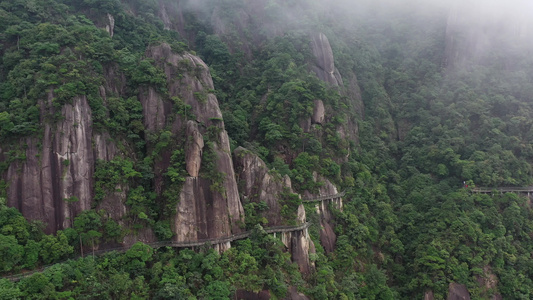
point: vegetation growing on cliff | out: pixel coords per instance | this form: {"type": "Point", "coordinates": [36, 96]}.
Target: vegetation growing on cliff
{"type": "Point", "coordinates": [408, 225]}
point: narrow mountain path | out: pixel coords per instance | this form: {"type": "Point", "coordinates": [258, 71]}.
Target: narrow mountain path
{"type": "Point", "coordinates": [188, 244]}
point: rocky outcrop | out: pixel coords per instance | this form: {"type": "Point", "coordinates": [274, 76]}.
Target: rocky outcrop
{"type": "Point", "coordinates": [318, 112]}
{"type": "Point", "coordinates": [324, 65]}
{"type": "Point", "coordinates": [328, 238]}
{"type": "Point", "coordinates": [324, 68]}
{"type": "Point", "coordinates": [457, 291]}
{"type": "Point", "coordinates": [54, 183]}
{"type": "Point", "coordinates": [104, 147]}
{"type": "Point", "coordinates": [247, 295]}
{"type": "Point", "coordinates": [202, 212]}
{"type": "Point", "coordinates": [428, 295]}
{"type": "Point", "coordinates": [155, 110]}
{"type": "Point", "coordinates": [110, 26]}
{"type": "Point", "coordinates": [298, 243]}
{"type": "Point", "coordinates": [258, 184]}
{"type": "Point", "coordinates": [488, 282]}
{"type": "Point", "coordinates": [194, 147]}
{"type": "Point", "coordinates": [294, 295]}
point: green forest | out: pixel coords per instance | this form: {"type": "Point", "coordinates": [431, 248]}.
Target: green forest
{"type": "Point", "coordinates": [409, 133]}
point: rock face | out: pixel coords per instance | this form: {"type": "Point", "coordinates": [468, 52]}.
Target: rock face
{"type": "Point", "coordinates": [246, 295]}
{"type": "Point", "coordinates": [257, 184]}
{"type": "Point", "coordinates": [201, 212]}
{"type": "Point", "coordinates": [294, 295]}
{"type": "Point", "coordinates": [457, 292]}
{"type": "Point", "coordinates": [110, 26]}
{"type": "Point", "coordinates": [298, 243]}
{"type": "Point", "coordinates": [429, 295]}
{"type": "Point", "coordinates": [488, 282]}
{"type": "Point", "coordinates": [154, 110]}
{"type": "Point", "coordinates": [318, 112]}
{"type": "Point", "coordinates": [60, 168]}
{"type": "Point", "coordinates": [55, 182]}
{"type": "Point", "coordinates": [324, 66]}
{"type": "Point", "coordinates": [328, 238]}
{"type": "Point", "coordinates": [194, 146]}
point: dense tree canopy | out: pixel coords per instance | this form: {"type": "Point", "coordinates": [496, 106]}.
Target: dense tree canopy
{"type": "Point", "coordinates": [408, 224]}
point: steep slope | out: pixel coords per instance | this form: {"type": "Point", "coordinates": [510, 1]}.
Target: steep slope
{"type": "Point", "coordinates": [54, 184]}
{"type": "Point", "coordinates": [203, 211]}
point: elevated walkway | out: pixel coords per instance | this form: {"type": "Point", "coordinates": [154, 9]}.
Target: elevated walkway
{"type": "Point", "coordinates": [501, 190]}
{"type": "Point", "coordinates": [327, 197]}
{"type": "Point", "coordinates": [174, 244]}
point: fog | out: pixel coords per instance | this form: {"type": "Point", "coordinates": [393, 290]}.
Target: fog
{"type": "Point", "coordinates": [474, 29]}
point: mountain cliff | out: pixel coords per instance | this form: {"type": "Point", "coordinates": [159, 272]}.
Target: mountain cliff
{"type": "Point", "coordinates": [168, 162]}
{"type": "Point", "coordinates": [235, 126]}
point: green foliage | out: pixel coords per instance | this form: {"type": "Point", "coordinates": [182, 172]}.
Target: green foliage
{"type": "Point", "coordinates": [407, 226]}
{"type": "Point", "coordinates": [55, 248]}
{"type": "Point", "coordinates": [12, 253]}
{"type": "Point", "coordinates": [209, 169]}
{"type": "Point", "coordinates": [253, 214]}
{"type": "Point", "coordinates": [302, 172]}
{"type": "Point", "coordinates": [8, 290]}
{"type": "Point", "coordinates": [289, 203]}
{"type": "Point", "coordinates": [175, 176]}
{"type": "Point", "coordinates": [109, 175]}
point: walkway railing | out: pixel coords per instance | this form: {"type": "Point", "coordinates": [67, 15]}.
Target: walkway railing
{"type": "Point", "coordinates": [489, 190]}
{"type": "Point", "coordinates": [327, 197]}
{"type": "Point", "coordinates": [174, 244]}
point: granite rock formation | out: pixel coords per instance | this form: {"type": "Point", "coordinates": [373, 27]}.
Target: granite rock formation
{"type": "Point", "coordinates": [258, 184]}
{"type": "Point", "coordinates": [201, 211]}
{"type": "Point", "coordinates": [54, 183]}
{"type": "Point", "coordinates": [458, 291]}
{"type": "Point", "coordinates": [328, 238]}
{"type": "Point", "coordinates": [324, 65]}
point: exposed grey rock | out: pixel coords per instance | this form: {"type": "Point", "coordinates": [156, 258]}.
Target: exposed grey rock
{"type": "Point", "coordinates": [194, 146]}
{"type": "Point", "coordinates": [298, 244]}
{"type": "Point", "coordinates": [294, 295]}
{"type": "Point", "coordinates": [110, 26]}
{"type": "Point", "coordinates": [488, 282]}
{"type": "Point", "coordinates": [154, 110]}
{"type": "Point", "coordinates": [324, 66]}
{"type": "Point", "coordinates": [305, 124]}
{"type": "Point", "coordinates": [201, 212]}
{"type": "Point", "coordinates": [318, 112]}
{"type": "Point", "coordinates": [328, 238]}
{"type": "Point", "coordinates": [145, 235]}
{"type": "Point", "coordinates": [457, 291]}
{"type": "Point", "coordinates": [104, 146]}
{"type": "Point", "coordinates": [257, 184]}
{"type": "Point", "coordinates": [60, 168]}
{"type": "Point", "coordinates": [247, 295]}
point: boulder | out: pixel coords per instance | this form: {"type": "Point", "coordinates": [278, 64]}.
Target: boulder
{"type": "Point", "coordinates": [458, 291]}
